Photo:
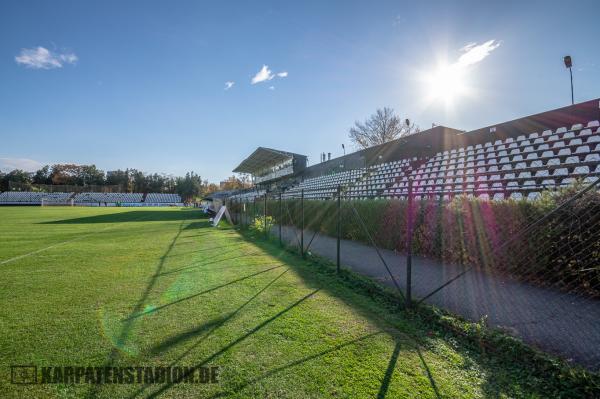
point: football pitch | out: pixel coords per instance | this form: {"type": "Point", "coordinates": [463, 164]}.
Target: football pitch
{"type": "Point", "coordinates": [157, 291]}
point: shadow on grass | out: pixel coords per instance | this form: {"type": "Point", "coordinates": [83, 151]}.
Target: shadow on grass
{"type": "Point", "coordinates": [169, 342]}
{"type": "Point", "coordinates": [157, 308]}
{"type": "Point", "coordinates": [201, 264]}
{"type": "Point", "coordinates": [429, 375]}
{"type": "Point", "coordinates": [150, 215]}
{"type": "Point", "coordinates": [506, 373]}
{"type": "Point", "coordinates": [189, 334]}
{"type": "Point", "coordinates": [128, 322]}
{"type": "Point", "coordinates": [229, 248]}
{"type": "Point", "coordinates": [502, 377]}
{"type": "Point", "coordinates": [238, 387]}
{"type": "Point", "coordinates": [236, 341]}
{"type": "Point", "coordinates": [204, 330]}
{"type": "Point", "coordinates": [209, 326]}
{"type": "Point", "coordinates": [387, 378]}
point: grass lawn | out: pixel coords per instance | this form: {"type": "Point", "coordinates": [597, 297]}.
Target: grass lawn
{"type": "Point", "coordinates": [127, 287]}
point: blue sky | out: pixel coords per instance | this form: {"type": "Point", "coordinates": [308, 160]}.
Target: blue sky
{"type": "Point", "coordinates": [142, 84]}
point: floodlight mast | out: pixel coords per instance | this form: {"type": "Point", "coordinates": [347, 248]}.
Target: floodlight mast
{"type": "Point", "coordinates": [569, 65]}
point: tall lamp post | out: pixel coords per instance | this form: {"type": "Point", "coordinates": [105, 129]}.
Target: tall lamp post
{"type": "Point", "coordinates": [569, 64]}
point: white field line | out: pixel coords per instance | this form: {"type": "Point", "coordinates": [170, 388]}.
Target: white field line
{"type": "Point", "coordinates": [43, 249]}
{"type": "Point", "coordinates": [37, 251]}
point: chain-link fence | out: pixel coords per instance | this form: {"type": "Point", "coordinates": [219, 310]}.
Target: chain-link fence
{"type": "Point", "coordinates": [530, 268]}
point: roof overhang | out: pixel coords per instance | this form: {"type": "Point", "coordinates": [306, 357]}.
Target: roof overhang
{"type": "Point", "coordinates": [263, 158]}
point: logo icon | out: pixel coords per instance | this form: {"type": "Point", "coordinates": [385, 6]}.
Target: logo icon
{"type": "Point", "coordinates": [23, 374]}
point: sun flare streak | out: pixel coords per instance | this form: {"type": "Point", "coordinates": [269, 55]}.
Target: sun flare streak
{"type": "Point", "coordinates": [450, 81]}
{"type": "Point", "coordinates": [447, 83]}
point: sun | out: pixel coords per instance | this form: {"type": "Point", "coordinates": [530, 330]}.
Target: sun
{"type": "Point", "coordinates": [446, 83]}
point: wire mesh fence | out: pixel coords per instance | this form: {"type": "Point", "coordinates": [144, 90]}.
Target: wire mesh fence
{"type": "Point", "coordinates": [530, 268]}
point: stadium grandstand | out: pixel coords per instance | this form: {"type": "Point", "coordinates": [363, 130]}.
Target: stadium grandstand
{"type": "Point", "coordinates": [267, 165]}
{"type": "Point", "coordinates": [517, 159]}
{"type": "Point", "coordinates": [89, 199]}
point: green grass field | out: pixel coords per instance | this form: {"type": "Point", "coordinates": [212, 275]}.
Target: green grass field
{"type": "Point", "coordinates": [157, 287]}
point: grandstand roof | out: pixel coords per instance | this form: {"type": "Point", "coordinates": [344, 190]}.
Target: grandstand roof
{"type": "Point", "coordinates": [263, 158]}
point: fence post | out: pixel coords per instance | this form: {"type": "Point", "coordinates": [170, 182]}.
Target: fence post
{"type": "Point", "coordinates": [409, 228]}
{"type": "Point", "coordinates": [280, 217]}
{"type": "Point", "coordinates": [265, 216]}
{"type": "Point", "coordinates": [339, 227]}
{"type": "Point", "coordinates": [302, 223]}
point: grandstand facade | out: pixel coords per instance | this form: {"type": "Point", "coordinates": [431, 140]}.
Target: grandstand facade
{"type": "Point", "coordinates": [516, 159]}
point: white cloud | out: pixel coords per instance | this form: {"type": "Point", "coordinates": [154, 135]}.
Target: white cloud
{"type": "Point", "coordinates": [263, 75]}
{"type": "Point", "coordinates": [229, 85]}
{"type": "Point", "coordinates": [468, 46]}
{"type": "Point", "coordinates": [42, 58]}
{"type": "Point", "coordinates": [28, 165]}
{"type": "Point", "coordinates": [474, 53]}
{"type": "Point", "coordinates": [271, 87]}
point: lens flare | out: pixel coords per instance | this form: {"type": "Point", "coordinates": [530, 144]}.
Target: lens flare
{"type": "Point", "coordinates": [446, 83]}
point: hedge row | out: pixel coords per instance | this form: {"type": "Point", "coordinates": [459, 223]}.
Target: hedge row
{"type": "Point", "coordinates": [563, 250]}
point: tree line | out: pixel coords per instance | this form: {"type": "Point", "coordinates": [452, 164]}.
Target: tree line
{"type": "Point", "coordinates": [381, 127]}
{"type": "Point", "coordinates": [189, 187]}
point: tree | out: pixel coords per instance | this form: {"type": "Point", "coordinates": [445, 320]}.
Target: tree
{"type": "Point", "coordinates": [190, 186]}
{"type": "Point", "coordinates": [233, 183]}
{"type": "Point", "coordinates": [42, 176]}
{"type": "Point", "coordinates": [381, 127]}
{"type": "Point", "coordinates": [131, 180]}
{"type": "Point", "coordinates": [212, 188]}
{"type": "Point", "coordinates": [118, 178]}
{"type": "Point", "coordinates": [90, 175]}
{"type": "Point", "coordinates": [64, 174]}
{"type": "Point", "coordinates": [138, 181]}
{"type": "Point", "coordinates": [16, 176]}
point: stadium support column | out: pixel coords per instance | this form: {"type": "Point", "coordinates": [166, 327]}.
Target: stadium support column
{"type": "Point", "coordinates": [409, 228]}
{"type": "Point", "coordinates": [302, 223]}
{"type": "Point", "coordinates": [280, 217]}
{"type": "Point", "coordinates": [339, 227]}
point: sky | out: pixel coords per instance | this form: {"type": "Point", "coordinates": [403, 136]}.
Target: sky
{"type": "Point", "coordinates": [171, 87]}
